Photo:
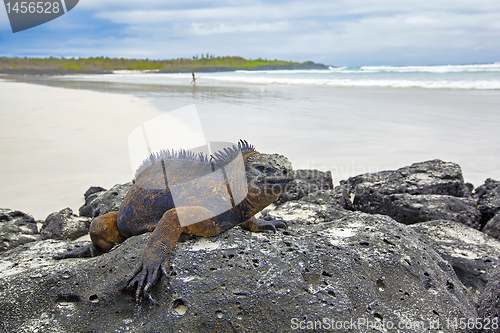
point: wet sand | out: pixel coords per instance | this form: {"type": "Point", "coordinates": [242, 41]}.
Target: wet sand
{"type": "Point", "coordinates": [55, 143]}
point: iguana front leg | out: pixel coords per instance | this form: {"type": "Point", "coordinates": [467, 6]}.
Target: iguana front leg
{"type": "Point", "coordinates": [267, 223]}
{"type": "Point", "coordinates": [156, 256]}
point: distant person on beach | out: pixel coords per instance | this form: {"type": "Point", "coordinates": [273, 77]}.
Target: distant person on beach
{"type": "Point", "coordinates": [194, 78]}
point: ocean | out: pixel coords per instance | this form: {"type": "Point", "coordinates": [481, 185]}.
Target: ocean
{"type": "Point", "coordinates": [478, 76]}
{"type": "Point", "coordinates": [430, 77]}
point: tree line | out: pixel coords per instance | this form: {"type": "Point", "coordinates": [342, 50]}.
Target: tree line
{"type": "Point", "coordinates": [111, 64]}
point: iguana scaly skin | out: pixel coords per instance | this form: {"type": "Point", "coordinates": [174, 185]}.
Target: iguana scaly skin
{"type": "Point", "coordinates": [149, 204]}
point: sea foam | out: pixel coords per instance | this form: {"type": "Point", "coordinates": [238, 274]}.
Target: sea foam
{"type": "Point", "coordinates": [474, 76]}
{"type": "Point", "coordinates": [480, 76]}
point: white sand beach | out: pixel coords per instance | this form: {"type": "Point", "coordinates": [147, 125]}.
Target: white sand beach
{"type": "Point", "coordinates": [56, 142]}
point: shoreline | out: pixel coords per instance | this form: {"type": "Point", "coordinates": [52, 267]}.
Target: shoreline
{"type": "Point", "coordinates": [247, 79]}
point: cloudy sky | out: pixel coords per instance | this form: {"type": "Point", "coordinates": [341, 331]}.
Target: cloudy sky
{"type": "Point", "coordinates": [333, 32]}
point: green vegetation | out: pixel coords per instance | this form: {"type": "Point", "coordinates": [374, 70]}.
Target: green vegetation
{"type": "Point", "coordinates": [69, 66]}
{"type": "Point", "coordinates": [101, 64]}
{"type": "Point", "coordinates": [145, 66]}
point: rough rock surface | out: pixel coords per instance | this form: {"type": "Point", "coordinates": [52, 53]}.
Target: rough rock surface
{"type": "Point", "coordinates": [489, 306]}
{"type": "Point", "coordinates": [488, 199]}
{"type": "Point", "coordinates": [99, 202]}
{"type": "Point", "coordinates": [93, 190]}
{"type": "Point", "coordinates": [64, 225]}
{"type": "Point", "coordinates": [411, 209]}
{"type": "Point", "coordinates": [421, 192]}
{"type": "Point", "coordinates": [360, 267]}
{"type": "Point", "coordinates": [305, 182]}
{"type": "Point", "coordinates": [16, 228]}
{"type": "Point", "coordinates": [473, 255]}
{"type": "Point", "coordinates": [316, 207]}
{"type": "Point", "coordinates": [492, 228]}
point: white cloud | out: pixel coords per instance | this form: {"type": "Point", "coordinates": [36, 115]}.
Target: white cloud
{"type": "Point", "coordinates": [4, 20]}
{"type": "Point", "coordinates": [253, 13]}
{"type": "Point", "coordinates": [336, 32]}
{"type": "Point", "coordinates": [417, 20]}
{"type": "Point", "coordinates": [152, 4]}
{"type": "Point", "coordinates": [202, 29]}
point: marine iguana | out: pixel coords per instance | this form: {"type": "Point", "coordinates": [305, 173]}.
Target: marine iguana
{"type": "Point", "coordinates": [170, 196]}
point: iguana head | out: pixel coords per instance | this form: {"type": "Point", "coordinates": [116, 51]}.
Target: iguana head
{"type": "Point", "coordinates": [267, 175]}
{"type": "Point", "coordinates": [268, 172]}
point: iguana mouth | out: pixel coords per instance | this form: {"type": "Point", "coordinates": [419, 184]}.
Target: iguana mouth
{"type": "Point", "coordinates": [281, 182]}
{"type": "Point", "coordinates": [277, 180]}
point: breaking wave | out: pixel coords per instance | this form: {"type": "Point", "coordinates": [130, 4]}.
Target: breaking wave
{"type": "Point", "coordinates": [480, 76]}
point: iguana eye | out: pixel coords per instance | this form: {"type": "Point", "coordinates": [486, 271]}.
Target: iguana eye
{"type": "Point", "coordinates": [261, 168]}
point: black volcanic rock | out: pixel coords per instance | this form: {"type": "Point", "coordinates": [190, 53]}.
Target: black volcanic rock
{"type": "Point", "coordinates": [421, 192]}
{"type": "Point", "coordinates": [492, 228]}
{"type": "Point", "coordinates": [93, 190]}
{"type": "Point", "coordinates": [16, 228]}
{"type": "Point", "coordinates": [305, 182]}
{"type": "Point", "coordinates": [410, 209]}
{"type": "Point", "coordinates": [473, 255]}
{"type": "Point", "coordinates": [488, 199]}
{"type": "Point", "coordinates": [64, 225]}
{"type": "Point", "coordinates": [359, 267]}
{"type": "Point", "coordinates": [489, 306]}
{"type": "Point", "coordinates": [99, 201]}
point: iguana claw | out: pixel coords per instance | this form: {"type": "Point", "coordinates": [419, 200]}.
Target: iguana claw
{"type": "Point", "coordinates": [267, 223]}
{"type": "Point", "coordinates": [89, 250]}
{"type": "Point", "coordinates": [145, 274]}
